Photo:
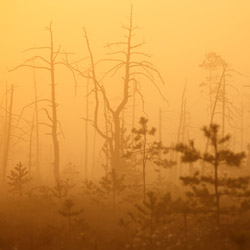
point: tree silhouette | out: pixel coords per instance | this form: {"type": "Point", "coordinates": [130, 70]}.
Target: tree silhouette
{"type": "Point", "coordinates": [219, 157]}
{"type": "Point", "coordinates": [133, 70]}
{"type": "Point", "coordinates": [219, 71]}
{"type": "Point", "coordinates": [68, 212]}
{"type": "Point", "coordinates": [49, 65]}
{"type": "Point", "coordinates": [143, 147]}
{"type": "Point", "coordinates": [147, 150]}
{"type": "Point", "coordinates": [18, 178]}
{"type": "Point", "coordinates": [7, 134]}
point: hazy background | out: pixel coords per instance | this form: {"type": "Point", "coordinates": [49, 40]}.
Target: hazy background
{"type": "Point", "coordinates": [177, 33]}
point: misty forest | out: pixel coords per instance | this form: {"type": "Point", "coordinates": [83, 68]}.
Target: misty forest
{"type": "Point", "coordinates": [114, 136]}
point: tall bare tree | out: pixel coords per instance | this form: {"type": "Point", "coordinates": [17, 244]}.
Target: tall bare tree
{"type": "Point", "coordinates": [130, 69]}
{"type": "Point", "coordinates": [49, 64]}
{"type": "Point", "coordinates": [218, 70]}
{"type": "Point", "coordinates": [7, 133]}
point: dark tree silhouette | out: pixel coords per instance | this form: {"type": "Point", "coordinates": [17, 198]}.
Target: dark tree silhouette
{"type": "Point", "coordinates": [145, 149]}
{"type": "Point", "coordinates": [49, 65]}
{"type": "Point", "coordinates": [134, 69]}
{"type": "Point", "coordinates": [219, 156]}
{"type": "Point", "coordinates": [18, 178]}
{"type": "Point", "coordinates": [68, 212]}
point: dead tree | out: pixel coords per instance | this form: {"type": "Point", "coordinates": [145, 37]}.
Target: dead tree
{"type": "Point", "coordinates": [181, 128]}
{"type": "Point", "coordinates": [34, 129]}
{"type": "Point", "coordinates": [86, 132]}
{"type": "Point", "coordinates": [7, 134]}
{"type": "Point", "coordinates": [49, 65]}
{"type": "Point", "coordinates": [36, 126]}
{"type": "Point", "coordinates": [133, 70]}
{"type": "Point", "coordinates": [30, 143]}
{"type": "Point", "coordinates": [216, 82]}
{"type": "Point", "coordinates": [12, 133]}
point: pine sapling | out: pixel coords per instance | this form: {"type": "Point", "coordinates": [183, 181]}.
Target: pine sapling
{"type": "Point", "coordinates": [68, 212]}
{"type": "Point", "coordinates": [220, 156]}
{"type": "Point", "coordinates": [18, 178]}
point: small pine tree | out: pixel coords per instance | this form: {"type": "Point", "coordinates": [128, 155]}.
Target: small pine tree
{"type": "Point", "coordinates": [18, 178]}
{"type": "Point", "coordinates": [150, 219]}
{"type": "Point", "coordinates": [68, 212]}
{"type": "Point", "coordinates": [112, 184]}
{"type": "Point", "coordinates": [202, 185]}
{"type": "Point", "coordinates": [148, 151]}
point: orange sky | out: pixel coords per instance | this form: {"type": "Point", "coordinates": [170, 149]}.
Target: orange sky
{"type": "Point", "coordinates": [178, 33]}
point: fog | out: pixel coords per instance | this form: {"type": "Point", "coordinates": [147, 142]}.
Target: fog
{"type": "Point", "coordinates": [111, 113]}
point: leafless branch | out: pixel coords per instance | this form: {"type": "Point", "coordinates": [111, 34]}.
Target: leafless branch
{"type": "Point", "coordinates": [36, 48]}
{"type": "Point", "coordinates": [48, 115]}
{"type": "Point", "coordinates": [60, 125]}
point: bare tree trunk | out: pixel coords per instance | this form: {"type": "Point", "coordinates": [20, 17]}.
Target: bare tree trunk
{"type": "Point", "coordinates": [216, 101]}
{"type": "Point", "coordinates": [50, 67]}
{"type": "Point", "coordinates": [116, 163]}
{"type": "Point", "coordinates": [132, 69]}
{"type": "Point", "coordinates": [180, 131]}
{"type": "Point", "coordinates": [216, 186]}
{"type": "Point", "coordinates": [160, 140]}
{"type": "Point", "coordinates": [93, 156]}
{"type": "Point", "coordinates": [30, 143]}
{"type": "Point", "coordinates": [144, 160]}
{"type": "Point", "coordinates": [242, 128]}
{"type": "Point", "coordinates": [54, 111]}
{"type": "Point", "coordinates": [106, 142]}
{"type": "Point", "coordinates": [86, 132]}
{"type": "Point", "coordinates": [5, 118]}
{"type": "Point", "coordinates": [8, 135]}
{"type": "Point", "coordinates": [37, 126]}
{"type": "Point", "coordinates": [223, 106]}
{"type": "Point", "coordinates": [210, 92]}
{"type": "Point", "coordinates": [133, 162]}
{"type": "Point", "coordinates": [183, 128]}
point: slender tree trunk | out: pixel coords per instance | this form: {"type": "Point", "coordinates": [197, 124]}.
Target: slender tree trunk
{"type": "Point", "coordinates": [133, 123]}
{"type": "Point", "coordinates": [93, 156]}
{"type": "Point", "coordinates": [179, 132]}
{"type": "Point", "coordinates": [160, 140]}
{"type": "Point", "coordinates": [37, 127]}
{"type": "Point", "coordinates": [144, 159]}
{"type": "Point", "coordinates": [223, 106]}
{"type": "Point", "coordinates": [30, 143]}
{"type": "Point", "coordinates": [116, 163]}
{"type": "Point", "coordinates": [217, 196]}
{"type": "Point", "coordinates": [106, 142]}
{"type": "Point", "coordinates": [242, 128]}
{"type": "Point", "coordinates": [183, 128]}
{"type": "Point", "coordinates": [54, 112]}
{"type": "Point", "coordinates": [114, 190]}
{"type": "Point", "coordinates": [3, 134]}
{"type": "Point", "coordinates": [215, 103]}
{"type": "Point", "coordinates": [86, 132]}
{"type": "Point", "coordinates": [216, 188]}
{"type": "Point", "coordinates": [210, 92]}
{"type": "Point", "coordinates": [8, 135]}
